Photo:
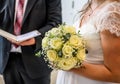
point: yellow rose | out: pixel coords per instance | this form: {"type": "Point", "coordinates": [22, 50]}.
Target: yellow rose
{"type": "Point", "coordinates": [56, 43]}
{"type": "Point", "coordinates": [45, 42]}
{"type": "Point", "coordinates": [81, 54]}
{"type": "Point", "coordinates": [52, 55]}
{"type": "Point", "coordinates": [67, 64]}
{"type": "Point", "coordinates": [76, 41]}
{"type": "Point", "coordinates": [69, 29]}
{"type": "Point", "coordinates": [67, 51]}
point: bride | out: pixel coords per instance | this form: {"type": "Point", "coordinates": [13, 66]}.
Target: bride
{"type": "Point", "coordinates": [100, 27]}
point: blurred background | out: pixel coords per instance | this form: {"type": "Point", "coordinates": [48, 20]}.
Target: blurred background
{"type": "Point", "coordinates": [70, 13]}
{"type": "Point", "coordinates": [70, 10]}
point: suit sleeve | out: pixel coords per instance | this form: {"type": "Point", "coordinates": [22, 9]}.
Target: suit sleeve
{"type": "Point", "coordinates": [54, 18]}
{"type": "Point", "coordinates": [3, 5]}
{"type": "Point", "coordinates": [1, 14]}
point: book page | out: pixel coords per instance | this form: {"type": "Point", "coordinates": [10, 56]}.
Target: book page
{"type": "Point", "coordinates": [7, 35]}
{"type": "Point", "coordinates": [28, 35]}
{"type": "Point", "coordinates": [19, 38]}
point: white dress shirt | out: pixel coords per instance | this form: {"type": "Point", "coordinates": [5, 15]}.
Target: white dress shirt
{"type": "Point", "coordinates": [13, 48]}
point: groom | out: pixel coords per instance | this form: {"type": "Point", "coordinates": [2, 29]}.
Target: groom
{"type": "Point", "coordinates": [18, 64]}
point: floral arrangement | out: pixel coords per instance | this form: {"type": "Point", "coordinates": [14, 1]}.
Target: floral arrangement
{"type": "Point", "coordinates": [63, 48]}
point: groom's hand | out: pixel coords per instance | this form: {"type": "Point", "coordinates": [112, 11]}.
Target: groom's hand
{"type": "Point", "coordinates": [27, 42]}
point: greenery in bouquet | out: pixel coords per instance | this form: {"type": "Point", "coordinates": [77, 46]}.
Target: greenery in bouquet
{"type": "Point", "coordinates": [63, 48]}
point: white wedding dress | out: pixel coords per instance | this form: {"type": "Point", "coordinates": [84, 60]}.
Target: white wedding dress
{"type": "Point", "coordinates": [95, 54]}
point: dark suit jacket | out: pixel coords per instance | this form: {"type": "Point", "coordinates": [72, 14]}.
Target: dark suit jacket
{"type": "Point", "coordinates": [41, 15]}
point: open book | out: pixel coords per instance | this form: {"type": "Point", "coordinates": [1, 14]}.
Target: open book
{"type": "Point", "coordinates": [21, 37]}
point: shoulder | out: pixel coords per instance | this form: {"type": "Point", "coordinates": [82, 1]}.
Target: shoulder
{"type": "Point", "coordinates": [111, 9]}
{"type": "Point", "coordinates": [112, 6]}
{"type": "Point", "coordinates": [109, 18]}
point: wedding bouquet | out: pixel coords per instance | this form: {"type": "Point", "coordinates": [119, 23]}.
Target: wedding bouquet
{"type": "Point", "coordinates": [63, 48]}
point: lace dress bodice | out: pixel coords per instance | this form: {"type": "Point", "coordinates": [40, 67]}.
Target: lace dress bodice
{"type": "Point", "coordinates": [93, 43]}
{"type": "Point", "coordinates": [107, 19]}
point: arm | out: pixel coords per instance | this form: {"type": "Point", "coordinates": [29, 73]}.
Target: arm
{"type": "Point", "coordinates": [94, 71]}
{"type": "Point", "coordinates": [54, 18]}
{"type": "Point", "coordinates": [1, 14]}
{"type": "Point", "coordinates": [110, 40]}
{"type": "Point", "coordinates": [110, 70]}
{"type": "Point", "coordinates": [1, 19]}
{"type": "Point", "coordinates": [3, 4]}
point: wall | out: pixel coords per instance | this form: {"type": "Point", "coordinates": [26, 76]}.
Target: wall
{"type": "Point", "coordinates": [70, 9]}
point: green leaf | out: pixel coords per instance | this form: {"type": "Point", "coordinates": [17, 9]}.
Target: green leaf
{"type": "Point", "coordinates": [38, 54]}
{"type": "Point", "coordinates": [67, 37]}
{"type": "Point", "coordinates": [60, 53]}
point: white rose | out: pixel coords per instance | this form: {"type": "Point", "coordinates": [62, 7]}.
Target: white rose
{"type": "Point", "coordinates": [45, 42]}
